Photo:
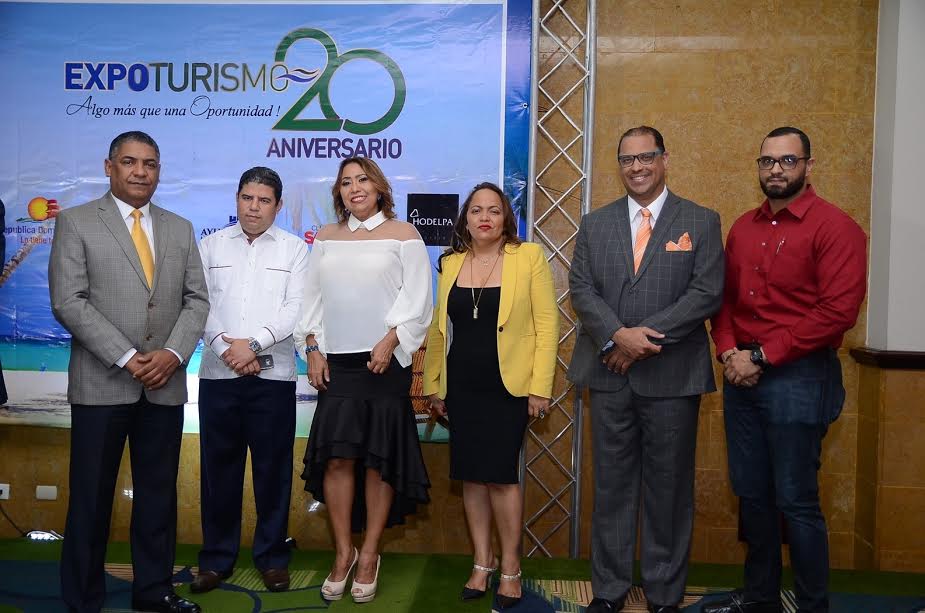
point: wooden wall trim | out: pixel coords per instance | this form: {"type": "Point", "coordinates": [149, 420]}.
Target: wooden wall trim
{"type": "Point", "coordinates": [889, 360]}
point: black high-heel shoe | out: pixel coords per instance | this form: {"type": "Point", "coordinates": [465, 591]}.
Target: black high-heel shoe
{"type": "Point", "coordinates": [507, 602]}
{"type": "Point", "coordinates": [470, 593]}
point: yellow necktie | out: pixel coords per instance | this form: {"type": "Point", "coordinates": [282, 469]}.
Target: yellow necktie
{"type": "Point", "coordinates": [143, 247]}
{"type": "Point", "coordinates": [642, 238]}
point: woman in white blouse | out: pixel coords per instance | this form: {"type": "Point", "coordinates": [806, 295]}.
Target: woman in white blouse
{"type": "Point", "coordinates": [369, 303]}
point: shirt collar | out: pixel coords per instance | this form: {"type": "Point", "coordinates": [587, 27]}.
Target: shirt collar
{"type": "Point", "coordinates": [271, 232]}
{"type": "Point", "coordinates": [655, 207]}
{"type": "Point", "coordinates": [370, 224]}
{"type": "Point", "coordinates": [797, 208]}
{"type": "Point", "coordinates": [125, 209]}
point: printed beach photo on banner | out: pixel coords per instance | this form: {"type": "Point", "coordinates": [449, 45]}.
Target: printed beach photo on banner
{"type": "Point", "coordinates": [436, 94]}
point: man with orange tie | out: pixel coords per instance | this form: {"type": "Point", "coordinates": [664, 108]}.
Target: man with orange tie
{"type": "Point", "coordinates": [646, 273]}
{"type": "Point", "coordinates": [796, 275]}
{"type": "Point", "coordinates": [126, 281]}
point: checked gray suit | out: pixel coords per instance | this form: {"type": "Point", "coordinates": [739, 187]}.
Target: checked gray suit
{"type": "Point", "coordinates": [645, 422]}
{"type": "Point", "coordinates": [100, 295]}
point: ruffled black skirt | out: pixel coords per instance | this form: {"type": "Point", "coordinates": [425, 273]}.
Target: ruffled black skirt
{"type": "Point", "coordinates": [369, 418]}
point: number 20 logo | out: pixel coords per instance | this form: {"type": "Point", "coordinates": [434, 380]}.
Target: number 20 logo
{"type": "Point", "coordinates": [332, 121]}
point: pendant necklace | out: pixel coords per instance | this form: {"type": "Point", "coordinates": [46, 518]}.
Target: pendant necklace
{"type": "Point", "coordinates": [476, 300]}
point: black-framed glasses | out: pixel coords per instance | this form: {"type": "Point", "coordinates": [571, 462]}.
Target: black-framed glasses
{"type": "Point", "coordinates": [644, 158]}
{"type": "Point", "coordinates": [787, 162]}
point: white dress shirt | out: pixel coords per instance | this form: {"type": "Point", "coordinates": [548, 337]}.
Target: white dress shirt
{"type": "Point", "coordinates": [635, 212]}
{"type": "Point", "coordinates": [255, 291]}
{"type": "Point", "coordinates": [358, 290]}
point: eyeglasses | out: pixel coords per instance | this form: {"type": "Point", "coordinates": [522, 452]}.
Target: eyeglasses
{"type": "Point", "coordinates": [644, 158]}
{"type": "Point", "coordinates": [787, 162]}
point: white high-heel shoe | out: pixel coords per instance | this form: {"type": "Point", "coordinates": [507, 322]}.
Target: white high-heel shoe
{"type": "Point", "coordinates": [334, 590]}
{"type": "Point", "coordinates": [364, 592]}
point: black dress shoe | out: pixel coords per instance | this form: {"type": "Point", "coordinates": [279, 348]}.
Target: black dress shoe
{"type": "Point", "coordinates": [602, 605]}
{"type": "Point", "coordinates": [276, 579]}
{"type": "Point", "coordinates": [171, 603]}
{"type": "Point", "coordinates": [655, 608]}
{"type": "Point", "coordinates": [736, 603]}
{"type": "Point", "coordinates": [207, 580]}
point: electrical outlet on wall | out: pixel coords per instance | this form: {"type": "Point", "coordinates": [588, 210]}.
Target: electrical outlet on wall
{"type": "Point", "coordinates": [4, 491]}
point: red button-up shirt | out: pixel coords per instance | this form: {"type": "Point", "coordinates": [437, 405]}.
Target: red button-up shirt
{"type": "Point", "coordinates": [795, 281]}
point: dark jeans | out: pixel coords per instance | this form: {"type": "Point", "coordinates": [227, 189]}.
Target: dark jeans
{"type": "Point", "coordinates": [774, 434]}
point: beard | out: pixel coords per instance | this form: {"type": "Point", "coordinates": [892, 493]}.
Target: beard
{"type": "Point", "coordinates": [782, 192]}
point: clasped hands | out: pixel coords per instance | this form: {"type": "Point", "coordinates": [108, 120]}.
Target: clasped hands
{"type": "Point", "coordinates": [154, 368]}
{"type": "Point", "coordinates": [739, 369]}
{"type": "Point", "coordinates": [239, 357]}
{"type": "Point", "coordinates": [631, 345]}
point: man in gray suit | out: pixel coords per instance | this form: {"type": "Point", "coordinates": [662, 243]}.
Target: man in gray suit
{"type": "Point", "coordinates": [646, 273]}
{"type": "Point", "coordinates": [130, 290]}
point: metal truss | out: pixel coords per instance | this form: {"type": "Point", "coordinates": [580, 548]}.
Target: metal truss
{"type": "Point", "coordinates": [564, 42]}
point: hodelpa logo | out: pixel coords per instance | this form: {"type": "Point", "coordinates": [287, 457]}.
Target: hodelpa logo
{"type": "Point", "coordinates": [433, 215]}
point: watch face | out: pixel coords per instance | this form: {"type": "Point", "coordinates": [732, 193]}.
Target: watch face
{"type": "Point", "coordinates": [756, 357]}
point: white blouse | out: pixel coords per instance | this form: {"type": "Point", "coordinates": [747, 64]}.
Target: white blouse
{"type": "Point", "coordinates": [356, 291]}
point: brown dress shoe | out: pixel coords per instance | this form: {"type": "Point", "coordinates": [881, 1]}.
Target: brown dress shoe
{"type": "Point", "coordinates": [207, 580]}
{"type": "Point", "coordinates": [276, 579]}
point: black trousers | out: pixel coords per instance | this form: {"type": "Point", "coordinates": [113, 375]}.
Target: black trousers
{"type": "Point", "coordinates": [98, 435]}
{"type": "Point", "coordinates": [236, 415]}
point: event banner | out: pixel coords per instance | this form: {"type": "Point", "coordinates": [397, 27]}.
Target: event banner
{"type": "Point", "coordinates": [436, 92]}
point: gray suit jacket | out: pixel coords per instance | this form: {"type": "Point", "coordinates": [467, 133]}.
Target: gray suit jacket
{"type": "Point", "coordinates": [673, 293]}
{"type": "Point", "coordinates": [99, 294]}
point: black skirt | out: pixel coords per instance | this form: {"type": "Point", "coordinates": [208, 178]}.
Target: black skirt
{"type": "Point", "coordinates": [369, 418]}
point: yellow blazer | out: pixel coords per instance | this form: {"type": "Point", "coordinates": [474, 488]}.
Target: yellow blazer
{"type": "Point", "coordinates": [528, 324]}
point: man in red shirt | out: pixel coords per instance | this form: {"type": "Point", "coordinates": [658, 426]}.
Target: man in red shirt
{"type": "Point", "coordinates": [796, 275]}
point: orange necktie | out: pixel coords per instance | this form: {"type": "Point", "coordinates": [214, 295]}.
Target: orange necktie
{"type": "Point", "coordinates": [642, 238]}
{"type": "Point", "coordinates": [143, 247]}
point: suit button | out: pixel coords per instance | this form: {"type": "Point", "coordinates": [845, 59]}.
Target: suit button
{"type": "Point", "coordinates": [500, 328]}
{"type": "Point", "coordinates": [149, 337]}
{"type": "Point", "coordinates": [150, 305]}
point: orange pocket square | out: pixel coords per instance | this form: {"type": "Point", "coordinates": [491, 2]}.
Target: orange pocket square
{"type": "Point", "coordinates": [684, 244]}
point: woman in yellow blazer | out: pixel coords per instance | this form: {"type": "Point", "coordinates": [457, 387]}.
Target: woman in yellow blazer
{"type": "Point", "coordinates": [489, 366]}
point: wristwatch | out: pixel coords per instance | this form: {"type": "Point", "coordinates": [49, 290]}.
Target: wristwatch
{"type": "Point", "coordinates": [757, 358]}
{"type": "Point", "coordinates": [310, 348]}
{"type": "Point", "coordinates": [254, 345]}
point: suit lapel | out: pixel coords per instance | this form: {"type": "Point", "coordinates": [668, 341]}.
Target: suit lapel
{"type": "Point", "coordinates": [161, 239]}
{"type": "Point", "coordinates": [451, 267]}
{"type": "Point", "coordinates": [112, 219]}
{"type": "Point", "coordinates": [624, 230]}
{"type": "Point", "coordinates": [659, 233]}
{"type": "Point", "coordinates": [508, 283]}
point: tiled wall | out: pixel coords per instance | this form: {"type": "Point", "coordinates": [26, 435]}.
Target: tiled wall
{"type": "Point", "coordinates": [714, 77]}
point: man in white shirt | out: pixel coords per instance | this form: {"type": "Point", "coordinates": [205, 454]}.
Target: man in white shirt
{"type": "Point", "coordinates": [247, 381]}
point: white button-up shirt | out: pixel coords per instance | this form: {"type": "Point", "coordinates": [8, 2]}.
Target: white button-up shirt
{"type": "Point", "coordinates": [255, 291]}
{"type": "Point", "coordinates": [635, 211]}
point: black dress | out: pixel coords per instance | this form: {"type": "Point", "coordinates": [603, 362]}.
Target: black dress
{"type": "Point", "coordinates": [487, 423]}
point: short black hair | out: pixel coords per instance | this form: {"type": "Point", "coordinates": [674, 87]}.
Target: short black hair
{"type": "Point", "coordinates": [785, 130]}
{"type": "Point", "coordinates": [642, 131]}
{"type": "Point", "coordinates": [263, 176]}
{"type": "Point", "coordinates": [136, 136]}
